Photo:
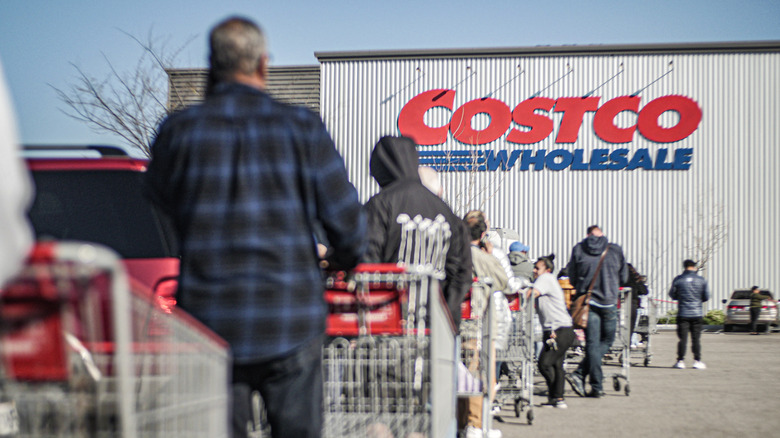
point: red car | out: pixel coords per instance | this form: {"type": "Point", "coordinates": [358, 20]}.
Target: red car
{"type": "Point", "coordinates": [93, 194]}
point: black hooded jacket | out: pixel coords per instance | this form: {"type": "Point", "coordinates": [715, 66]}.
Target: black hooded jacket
{"type": "Point", "coordinates": [583, 263]}
{"type": "Point", "coordinates": [394, 166]}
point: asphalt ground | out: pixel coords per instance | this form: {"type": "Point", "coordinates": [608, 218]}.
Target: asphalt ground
{"type": "Point", "coordinates": [738, 395]}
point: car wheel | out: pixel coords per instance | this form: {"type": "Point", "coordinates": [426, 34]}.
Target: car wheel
{"type": "Point", "coordinates": [728, 327]}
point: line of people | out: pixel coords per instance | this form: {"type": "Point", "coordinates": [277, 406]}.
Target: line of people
{"type": "Point", "coordinates": [249, 182]}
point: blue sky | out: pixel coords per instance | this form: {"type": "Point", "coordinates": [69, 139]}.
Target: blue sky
{"type": "Point", "coordinates": [40, 40]}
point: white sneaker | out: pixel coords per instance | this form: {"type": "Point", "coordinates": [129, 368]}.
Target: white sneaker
{"type": "Point", "coordinates": [494, 433]}
{"type": "Point", "coordinates": [699, 365]}
{"type": "Point", "coordinates": [679, 365]}
{"type": "Point", "coordinates": [473, 432]}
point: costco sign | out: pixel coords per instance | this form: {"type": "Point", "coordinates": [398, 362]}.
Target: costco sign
{"type": "Point", "coordinates": [530, 122]}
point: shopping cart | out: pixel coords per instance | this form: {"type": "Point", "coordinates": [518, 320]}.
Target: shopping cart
{"type": "Point", "coordinates": [517, 388]}
{"type": "Point", "coordinates": [621, 347]}
{"type": "Point", "coordinates": [478, 352]}
{"type": "Point", "coordinates": [645, 328]}
{"type": "Point", "coordinates": [83, 355]}
{"type": "Point", "coordinates": [389, 362]}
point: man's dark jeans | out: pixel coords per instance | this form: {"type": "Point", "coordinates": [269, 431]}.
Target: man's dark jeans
{"type": "Point", "coordinates": [291, 388]}
{"type": "Point", "coordinates": [599, 335]}
{"type": "Point", "coordinates": [692, 325]}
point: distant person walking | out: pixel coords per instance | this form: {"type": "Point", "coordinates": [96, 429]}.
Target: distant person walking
{"type": "Point", "coordinates": [756, 303]}
{"type": "Point", "coordinates": [246, 180]}
{"type": "Point", "coordinates": [583, 265]}
{"type": "Point", "coordinates": [690, 290]}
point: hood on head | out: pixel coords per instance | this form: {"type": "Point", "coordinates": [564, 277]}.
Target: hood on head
{"type": "Point", "coordinates": [516, 258]}
{"type": "Point", "coordinates": [595, 245]}
{"type": "Point", "coordinates": [394, 159]}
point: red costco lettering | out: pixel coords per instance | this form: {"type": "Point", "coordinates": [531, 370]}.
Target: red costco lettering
{"type": "Point", "coordinates": [690, 116]}
{"type": "Point", "coordinates": [604, 120]}
{"type": "Point", "coordinates": [411, 123]}
{"type": "Point", "coordinates": [500, 118]}
{"type": "Point", "coordinates": [537, 126]}
{"type": "Point", "coordinates": [573, 109]}
{"type": "Point", "coordinates": [525, 115]}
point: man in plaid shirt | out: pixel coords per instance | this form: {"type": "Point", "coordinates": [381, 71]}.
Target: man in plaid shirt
{"type": "Point", "coordinates": [246, 180]}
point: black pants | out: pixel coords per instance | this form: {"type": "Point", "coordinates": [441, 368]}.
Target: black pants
{"type": "Point", "coordinates": [692, 325]}
{"type": "Point", "coordinates": [754, 312]}
{"type": "Point", "coordinates": [291, 388]}
{"type": "Point", "coordinates": [551, 361]}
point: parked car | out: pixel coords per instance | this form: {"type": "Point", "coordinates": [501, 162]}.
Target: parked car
{"type": "Point", "coordinates": [93, 194]}
{"type": "Point", "coordinates": [738, 311]}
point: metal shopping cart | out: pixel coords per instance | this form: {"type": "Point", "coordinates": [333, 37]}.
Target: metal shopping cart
{"type": "Point", "coordinates": [390, 359]}
{"type": "Point", "coordinates": [621, 347]}
{"type": "Point", "coordinates": [517, 386]}
{"type": "Point", "coordinates": [83, 355]}
{"type": "Point", "coordinates": [645, 329]}
{"type": "Point", "coordinates": [478, 352]}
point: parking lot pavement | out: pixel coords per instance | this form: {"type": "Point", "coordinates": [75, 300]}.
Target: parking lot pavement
{"type": "Point", "coordinates": [737, 395]}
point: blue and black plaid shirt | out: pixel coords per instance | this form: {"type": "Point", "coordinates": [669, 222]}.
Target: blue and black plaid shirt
{"type": "Point", "coordinates": [244, 179]}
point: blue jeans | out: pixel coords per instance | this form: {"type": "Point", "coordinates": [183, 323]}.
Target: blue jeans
{"type": "Point", "coordinates": [599, 335]}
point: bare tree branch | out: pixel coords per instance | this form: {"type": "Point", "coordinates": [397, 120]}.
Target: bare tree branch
{"type": "Point", "coordinates": [707, 227]}
{"type": "Point", "coordinates": [128, 104]}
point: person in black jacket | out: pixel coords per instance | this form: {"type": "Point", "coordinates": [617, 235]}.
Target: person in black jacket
{"type": "Point", "coordinates": [690, 290]}
{"type": "Point", "coordinates": [394, 165]}
{"type": "Point", "coordinates": [602, 318]}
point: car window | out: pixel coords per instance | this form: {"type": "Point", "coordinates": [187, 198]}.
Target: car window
{"type": "Point", "coordinates": [101, 206]}
{"type": "Point", "coordinates": [741, 295]}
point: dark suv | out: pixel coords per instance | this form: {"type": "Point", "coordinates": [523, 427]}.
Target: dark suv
{"type": "Point", "coordinates": [93, 194]}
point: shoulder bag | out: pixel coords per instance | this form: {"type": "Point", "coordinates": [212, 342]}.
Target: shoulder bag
{"type": "Point", "coordinates": [581, 306]}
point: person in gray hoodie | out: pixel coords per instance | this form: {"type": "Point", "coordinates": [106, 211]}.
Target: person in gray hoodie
{"type": "Point", "coordinates": [602, 318]}
{"type": "Point", "coordinates": [522, 266]}
{"type": "Point", "coordinates": [690, 290]}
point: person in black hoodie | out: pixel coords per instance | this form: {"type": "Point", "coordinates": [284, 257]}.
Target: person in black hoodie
{"type": "Point", "coordinates": [393, 164]}
{"type": "Point", "coordinates": [602, 318]}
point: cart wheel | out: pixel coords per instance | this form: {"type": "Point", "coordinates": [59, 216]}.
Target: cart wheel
{"type": "Point", "coordinates": [530, 416]}
{"type": "Point", "coordinates": [616, 384]}
{"type": "Point", "coordinates": [628, 390]}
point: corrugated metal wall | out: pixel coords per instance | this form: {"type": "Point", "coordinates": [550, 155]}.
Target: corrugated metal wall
{"type": "Point", "coordinates": [659, 217]}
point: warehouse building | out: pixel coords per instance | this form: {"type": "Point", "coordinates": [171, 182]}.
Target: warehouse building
{"type": "Point", "coordinates": [672, 149]}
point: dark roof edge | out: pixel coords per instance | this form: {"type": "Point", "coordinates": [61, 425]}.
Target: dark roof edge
{"type": "Point", "coordinates": [272, 67]}
{"type": "Point", "coordinates": [572, 50]}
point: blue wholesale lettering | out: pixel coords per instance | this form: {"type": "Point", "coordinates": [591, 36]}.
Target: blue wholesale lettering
{"type": "Point", "coordinates": [558, 159]}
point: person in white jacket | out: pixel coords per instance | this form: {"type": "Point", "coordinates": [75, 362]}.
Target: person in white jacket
{"type": "Point", "coordinates": [16, 235]}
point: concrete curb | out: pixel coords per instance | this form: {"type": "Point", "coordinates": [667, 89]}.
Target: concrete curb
{"type": "Point", "coordinates": [673, 327]}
